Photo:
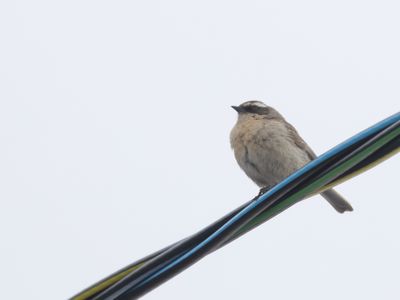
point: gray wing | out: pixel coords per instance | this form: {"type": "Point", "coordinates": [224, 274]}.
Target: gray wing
{"type": "Point", "coordinates": [333, 197]}
{"type": "Point", "coordinates": [299, 141]}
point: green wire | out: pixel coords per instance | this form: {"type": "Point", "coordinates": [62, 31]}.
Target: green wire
{"type": "Point", "coordinates": [358, 171]}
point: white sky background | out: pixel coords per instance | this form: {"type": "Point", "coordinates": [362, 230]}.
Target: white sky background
{"type": "Point", "coordinates": [114, 126]}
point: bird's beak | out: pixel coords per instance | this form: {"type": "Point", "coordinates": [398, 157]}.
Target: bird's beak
{"type": "Point", "coordinates": [238, 108]}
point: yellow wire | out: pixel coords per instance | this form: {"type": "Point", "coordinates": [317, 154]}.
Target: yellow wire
{"type": "Point", "coordinates": [104, 284]}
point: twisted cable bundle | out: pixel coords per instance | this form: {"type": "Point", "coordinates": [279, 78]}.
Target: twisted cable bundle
{"type": "Point", "coordinates": [352, 157]}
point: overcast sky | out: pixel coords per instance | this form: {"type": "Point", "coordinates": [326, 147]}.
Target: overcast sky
{"type": "Point", "coordinates": [114, 127]}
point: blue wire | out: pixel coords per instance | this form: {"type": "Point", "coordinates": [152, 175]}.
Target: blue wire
{"type": "Point", "coordinates": [348, 143]}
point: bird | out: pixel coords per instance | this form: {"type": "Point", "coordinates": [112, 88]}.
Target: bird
{"type": "Point", "coordinates": [268, 149]}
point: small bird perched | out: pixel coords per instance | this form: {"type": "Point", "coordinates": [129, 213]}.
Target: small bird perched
{"type": "Point", "coordinates": [269, 149]}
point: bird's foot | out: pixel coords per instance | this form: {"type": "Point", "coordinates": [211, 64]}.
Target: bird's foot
{"type": "Point", "coordinates": [265, 189]}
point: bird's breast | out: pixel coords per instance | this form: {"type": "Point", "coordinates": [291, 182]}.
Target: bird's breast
{"type": "Point", "coordinates": [266, 152]}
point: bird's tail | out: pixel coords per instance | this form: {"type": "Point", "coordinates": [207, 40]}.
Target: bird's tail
{"type": "Point", "coordinates": [337, 201]}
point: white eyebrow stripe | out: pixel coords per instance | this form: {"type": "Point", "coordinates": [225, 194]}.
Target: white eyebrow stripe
{"type": "Point", "coordinates": [255, 103]}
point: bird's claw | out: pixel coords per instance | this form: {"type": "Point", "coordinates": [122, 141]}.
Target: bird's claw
{"type": "Point", "coordinates": [265, 189]}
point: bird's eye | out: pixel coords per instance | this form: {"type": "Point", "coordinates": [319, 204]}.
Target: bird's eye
{"type": "Point", "coordinates": [257, 110]}
{"type": "Point", "coordinates": [253, 109]}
